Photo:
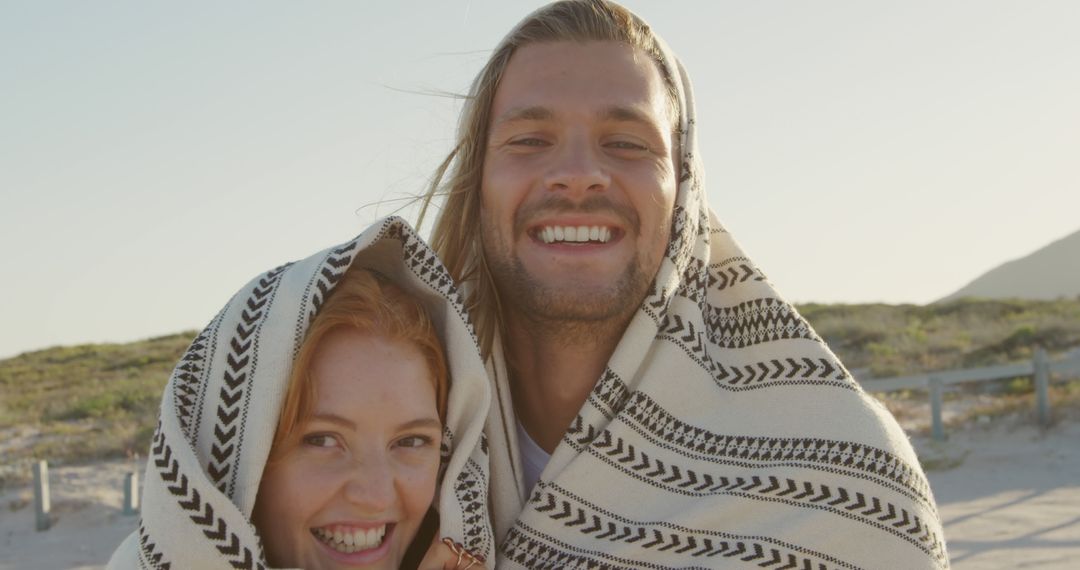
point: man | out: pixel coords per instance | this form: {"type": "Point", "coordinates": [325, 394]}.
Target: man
{"type": "Point", "coordinates": [657, 404]}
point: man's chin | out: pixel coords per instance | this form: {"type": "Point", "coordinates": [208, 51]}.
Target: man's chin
{"type": "Point", "coordinates": [579, 303]}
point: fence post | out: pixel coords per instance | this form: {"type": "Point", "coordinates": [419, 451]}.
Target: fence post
{"type": "Point", "coordinates": [42, 504]}
{"type": "Point", "coordinates": [936, 390]}
{"type": "Point", "coordinates": [131, 493]}
{"type": "Point", "coordinates": [1042, 386]}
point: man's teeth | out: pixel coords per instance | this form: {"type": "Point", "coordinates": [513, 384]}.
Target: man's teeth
{"type": "Point", "coordinates": [577, 234]}
{"type": "Point", "coordinates": [349, 540]}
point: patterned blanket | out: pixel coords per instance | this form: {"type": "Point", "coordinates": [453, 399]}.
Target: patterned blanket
{"type": "Point", "coordinates": [723, 433]}
{"type": "Point", "coordinates": [222, 403]}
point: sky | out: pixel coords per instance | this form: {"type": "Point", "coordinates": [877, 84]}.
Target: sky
{"type": "Point", "coordinates": [155, 156]}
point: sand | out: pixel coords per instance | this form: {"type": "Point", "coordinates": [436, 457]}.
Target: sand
{"type": "Point", "coordinates": [1014, 501]}
{"type": "Point", "coordinates": [1009, 496]}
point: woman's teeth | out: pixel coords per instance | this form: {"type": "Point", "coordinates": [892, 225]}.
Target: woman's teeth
{"type": "Point", "coordinates": [576, 234]}
{"type": "Point", "coordinates": [349, 540]}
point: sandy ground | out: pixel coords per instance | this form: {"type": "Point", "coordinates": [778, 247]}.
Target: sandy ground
{"type": "Point", "coordinates": [87, 504]}
{"type": "Point", "coordinates": [1014, 500]}
{"type": "Point", "coordinates": [1009, 497]}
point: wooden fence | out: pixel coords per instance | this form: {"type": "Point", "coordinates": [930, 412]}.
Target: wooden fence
{"type": "Point", "coordinates": [1042, 368]}
{"type": "Point", "coordinates": [43, 516]}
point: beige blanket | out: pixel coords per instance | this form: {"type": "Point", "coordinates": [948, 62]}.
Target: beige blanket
{"type": "Point", "coordinates": [221, 406]}
{"type": "Point", "coordinates": [723, 434]}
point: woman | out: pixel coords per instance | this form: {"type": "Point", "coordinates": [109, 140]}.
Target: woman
{"type": "Point", "coordinates": [312, 413]}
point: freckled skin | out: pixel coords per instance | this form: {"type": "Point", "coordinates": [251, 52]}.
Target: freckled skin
{"type": "Point", "coordinates": [355, 461]}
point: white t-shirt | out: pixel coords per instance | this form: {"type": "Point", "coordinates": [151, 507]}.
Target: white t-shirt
{"type": "Point", "coordinates": [533, 458]}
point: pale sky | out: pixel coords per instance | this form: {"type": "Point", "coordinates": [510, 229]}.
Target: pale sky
{"type": "Point", "coordinates": [156, 156]}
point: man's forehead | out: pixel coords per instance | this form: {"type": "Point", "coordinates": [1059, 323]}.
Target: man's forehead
{"type": "Point", "coordinates": [606, 79]}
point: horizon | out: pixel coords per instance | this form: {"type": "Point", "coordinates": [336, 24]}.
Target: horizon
{"type": "Point", "coordinates": [161, 156]}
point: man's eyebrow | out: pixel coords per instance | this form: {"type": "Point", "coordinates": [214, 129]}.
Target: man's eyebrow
{"type": "Point", "coordinates": [614, 113]}
{"type": "Point", "coordinates": [536, 113]}
{"type": "Point", "coordinates": [620, 113]}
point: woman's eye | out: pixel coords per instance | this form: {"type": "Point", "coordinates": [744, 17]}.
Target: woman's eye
{"type": "Point", "coordinates": [320, 440]}
{"type": "Point", "coordinates": [413, 441]}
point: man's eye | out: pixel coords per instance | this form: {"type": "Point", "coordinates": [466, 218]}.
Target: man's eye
{"type": "Point", "coordinates": [414, 441]}
{"type": "Point", "coordinates": [626, 145]}
{"type": "Point", "coordinates": [530, 141]}
{"type": "Point", "coordinates": [320, 440]}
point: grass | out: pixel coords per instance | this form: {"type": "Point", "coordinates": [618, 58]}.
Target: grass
{"type": "Point", "coordinates": [898, 340]}
{"type": "Point", "coordinates": [83, 403]}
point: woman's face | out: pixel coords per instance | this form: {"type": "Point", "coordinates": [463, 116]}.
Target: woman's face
{"type": "Point", "coordinates": [357, 477]}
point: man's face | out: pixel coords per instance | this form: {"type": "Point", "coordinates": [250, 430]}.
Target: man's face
{"type": "Point", "coordinates": [578, 180]}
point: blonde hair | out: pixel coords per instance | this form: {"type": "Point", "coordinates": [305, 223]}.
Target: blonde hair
{"type": "Point", "coordinates": [366, 302]}
{"type": "Point", "coordinates": [455, 235]}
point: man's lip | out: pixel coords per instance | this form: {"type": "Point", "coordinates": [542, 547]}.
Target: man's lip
{"type": "Point", "coordinates": [579, 220]}
{"type": "Point", "coordinates": [614, 231]}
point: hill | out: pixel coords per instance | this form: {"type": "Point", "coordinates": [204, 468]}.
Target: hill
{"type": "Point", "coordinates": [1052, 272]}
{"type": "Point", "coordinates": [81, 403]}
{"type": "Point", "coordinates": [78, 403]}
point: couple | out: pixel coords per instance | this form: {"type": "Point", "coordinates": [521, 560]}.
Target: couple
{"type": "Point", "coordinates": [625, 388]}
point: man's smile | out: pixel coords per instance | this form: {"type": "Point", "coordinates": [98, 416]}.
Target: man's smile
{"type": "Point", "coordinates": [574, 234]}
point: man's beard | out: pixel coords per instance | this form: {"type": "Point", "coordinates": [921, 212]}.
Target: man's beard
{"type": "Point", "coordinates": [567, 306]}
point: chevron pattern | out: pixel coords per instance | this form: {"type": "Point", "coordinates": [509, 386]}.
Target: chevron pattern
{"type": "Point", "coordinates": [336, 264]}
{"type": "Point", "coordinates": [629, 459]}
{"type": "Point", "coordinates": [732, 272]}
{"type": "Point", "coordinates": [150, 557]}
{"type": "Point", "coordinates": [537, 554]}
{"type": "Point", "coordinates": [751, 376]}
{"type": "Point", "coordinates": [426, 265]}
{"type": "Point", "coordinates": [754, 322]}
{"type": "Point", "coordinates": [199, 510]}
{"type": "Point", "coordinates": [661, 426]}
{"type": "Point", "coordinates": [610, 394]}
{"type": "Point", "coordinates": [187, 376]}
{"type": "Point", "coordinates": [224, 446]}
{"type": "Point", "coordinates": [589, 520]}
{"type": "Point", "coordinates": [471, 494]}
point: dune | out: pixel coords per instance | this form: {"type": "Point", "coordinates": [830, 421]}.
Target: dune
{"type": "Point", "coordinates": [1009, 494]}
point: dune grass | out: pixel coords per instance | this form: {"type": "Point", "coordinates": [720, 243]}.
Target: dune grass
{"type": "Point", "coordinates": [82, 403]}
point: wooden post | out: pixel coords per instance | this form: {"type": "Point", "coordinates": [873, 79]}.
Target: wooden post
{"type": "Point", "coordinates": [42, 504]}
{"type": "Point", "coordinates": [936, 390]}
{"type": "Point", "coordinates": [131, 493]}
{"type": "Point", "coordinates": [1042, 386]}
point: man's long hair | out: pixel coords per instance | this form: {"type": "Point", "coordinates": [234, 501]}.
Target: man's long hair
{"type": "Point", "coordinates": [455, 235]}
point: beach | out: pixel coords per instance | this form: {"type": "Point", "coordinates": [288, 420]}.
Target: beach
{"type": "Point", "coordinates": [1008, 493]}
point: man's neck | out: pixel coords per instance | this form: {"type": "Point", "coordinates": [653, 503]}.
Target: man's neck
{"type": "Point", "coordinates": [553, 369]}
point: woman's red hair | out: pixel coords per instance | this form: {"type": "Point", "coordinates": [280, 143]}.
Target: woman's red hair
{"type": "Point", "coordinates": [367, 302]}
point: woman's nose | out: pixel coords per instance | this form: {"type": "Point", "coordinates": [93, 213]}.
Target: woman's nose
{"type": "Point", "coordinates": [370, 485]}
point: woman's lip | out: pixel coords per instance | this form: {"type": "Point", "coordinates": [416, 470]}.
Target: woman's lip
{"type": "Point", "coordinates": [365, 525]}
{"type": "Point", "coordinates": [364, 556]}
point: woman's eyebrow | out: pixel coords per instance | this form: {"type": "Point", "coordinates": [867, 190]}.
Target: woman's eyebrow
{"type": "Point", "coordinates": [431, 422]}
{"type": "Point", "coordinates": [333, 419]}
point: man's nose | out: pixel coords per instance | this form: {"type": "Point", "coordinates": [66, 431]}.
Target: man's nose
{"type": "Point", "coordinates": [577, 167]}
{"type": "Point", "coordinates": [370, 485]}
